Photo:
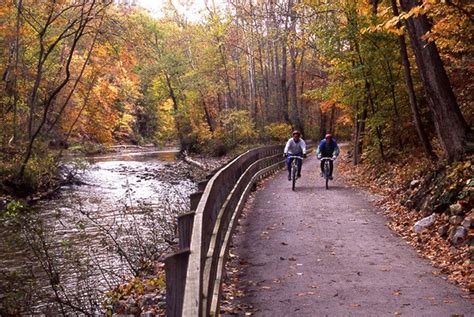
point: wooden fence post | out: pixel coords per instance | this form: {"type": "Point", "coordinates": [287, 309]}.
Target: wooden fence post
{"type": "Point", "coordinates": [185, 229]}
{"type": "Point", "coordinates": [195, 198]}
{"type": "Point", "coordinates": [176, 266]}
{"type": "Point", "coordinates": [202, 185]}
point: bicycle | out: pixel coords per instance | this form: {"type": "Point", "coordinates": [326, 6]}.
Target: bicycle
{"type": "Point", "coordinates": [294, 169]}
{"type": "Point", "coordinates": [326, 169]}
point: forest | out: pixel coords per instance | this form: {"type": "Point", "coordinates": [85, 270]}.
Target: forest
{"type": "Point", "coordinates": [84, 74]}
{"type": "Point", "coordinates": [392, 79]}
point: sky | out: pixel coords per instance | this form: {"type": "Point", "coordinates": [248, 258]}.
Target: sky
{"type": "Point", "coordinates": [192, 8]}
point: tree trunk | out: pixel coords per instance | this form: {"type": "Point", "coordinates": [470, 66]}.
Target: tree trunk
{"type": "Point", "coordinates": [283, 83]}
{"type": "Point", "coordinates": [296, 118]}
{"type": "Point", "coordinates": [450, 125]}
{"type": "Point", "coordinates": [226, 77]}
{"type": "Point", "coordinates": [174, 99]}
{"type": "Point", "coordinates": [322, 123]}
{"type": "Point", "coordinates": [265, 85]}
{"type": "Point", "coordinates": [411, 91]}
{"type": "Point", "coordinates": [332, 119]}
{"type": "Point", "coordinates": [358, 142]}
{"type": "Point", "coordinates": [17, 58]}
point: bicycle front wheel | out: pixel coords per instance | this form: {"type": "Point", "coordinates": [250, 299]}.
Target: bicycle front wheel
{"type": "Point", "coordinates": [293, 178]}
{"type": "Point", "coordinates": [326, 174]}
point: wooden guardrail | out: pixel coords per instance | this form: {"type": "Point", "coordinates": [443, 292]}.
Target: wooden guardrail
{"type": "Point", "coordinates": [194, 273]}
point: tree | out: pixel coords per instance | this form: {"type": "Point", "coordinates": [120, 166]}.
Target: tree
{"type": "Point", "coordinates": [422, 135]}
{"type": "Point", "coordinates": [78, 18]}
{"type": "Point", "coordinates": [450, 125]}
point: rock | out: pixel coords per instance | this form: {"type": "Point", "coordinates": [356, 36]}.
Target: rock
{"type": "Point", "coordinates": [427, 205]}
{"type": "Point", "coordinates": [456, 209]}
{"type": "Point", "coordinates": [409, 203]}
{"type": "Point", "coordinates": [3, 204]}
{"type": "Point", "coordinates": [455, 220]}
{"type": "Point", "coordinates": [134, 311]}
{"type": "Point", "coordinates": [459, 235]}
{"type": "Point", "coordinates": [443, 230]}
{"type": "Point", "coordinates": [120, 306]}
{"type": "Point", "coordinates": [414, 183]}
{"type": "Point", "coordinates": [424, 223]}
{"type": "Point", "coordinates": [467, 223]}
{"type": "Point", "coordinates": [426, 213]}
{"type": "Point", "coordinates": [148, 300]}
{"type": "Point", "coordinates": [161, 304]}
{"type": "Point", "coordinates": [131, 301]}
{"type": "Point", "coordinates": [149, 289]}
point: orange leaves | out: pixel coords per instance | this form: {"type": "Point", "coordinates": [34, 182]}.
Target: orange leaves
{"type": "Point", "coordinates": [326, 105]}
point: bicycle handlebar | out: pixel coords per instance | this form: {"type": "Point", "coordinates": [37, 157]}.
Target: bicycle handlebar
{"type": "Point", "coordinates": [295, 156]}
{"type": "Point", "coordinates": [327, 158]}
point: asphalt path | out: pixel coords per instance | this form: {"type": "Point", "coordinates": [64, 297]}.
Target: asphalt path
{"type": "Point", "coordinates": [318, 252]}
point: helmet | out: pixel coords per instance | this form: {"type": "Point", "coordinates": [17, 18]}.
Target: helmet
{"type": "Point", "coordinates": [296, 132]}
{"type": "Point", "coordinates": [328, 136]}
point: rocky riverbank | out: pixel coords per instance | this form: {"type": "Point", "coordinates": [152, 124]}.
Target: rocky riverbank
{"type": "Point", "coordinates": [146, 295]}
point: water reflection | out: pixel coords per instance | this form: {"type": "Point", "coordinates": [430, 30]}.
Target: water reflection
{"type": "Point", "coordinates": [121, 203]}
{"type": "Point", "coordinates": [163, 156]}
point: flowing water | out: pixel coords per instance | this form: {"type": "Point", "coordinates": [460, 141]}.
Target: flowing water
{"type": "Point", "coordinates": [93, 235]}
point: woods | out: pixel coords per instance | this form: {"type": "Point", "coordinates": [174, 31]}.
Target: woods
{"type": "Point", "coordinates": [89, 72]}
{"type": "Point", "coordinates": [391, 79]}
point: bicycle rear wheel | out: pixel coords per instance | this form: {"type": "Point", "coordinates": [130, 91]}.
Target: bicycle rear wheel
{"type": "Point", "coordinates": [326, 174]}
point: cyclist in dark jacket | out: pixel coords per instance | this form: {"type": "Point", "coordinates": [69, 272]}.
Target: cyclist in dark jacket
{"type": "Point", "coordinates": [328, 148]}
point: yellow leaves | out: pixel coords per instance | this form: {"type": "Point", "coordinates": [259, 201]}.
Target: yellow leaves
{"type": "Point", "coordinates": [394, 24]}
{"type": "Point", "coordinates": [166, 120]}
{"type": "Point", "coordinates": [414, 12]}
{"type": "Point", "coordinates": [390, 26]}
{"type": "Point", "coordinates": [278, 131]}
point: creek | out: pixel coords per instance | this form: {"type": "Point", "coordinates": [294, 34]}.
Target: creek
{"type": "Point", "coordinates": [95, 234]}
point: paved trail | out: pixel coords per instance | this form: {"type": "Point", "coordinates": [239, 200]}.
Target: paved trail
{"type": "Point", "coordinates": [318, 252]}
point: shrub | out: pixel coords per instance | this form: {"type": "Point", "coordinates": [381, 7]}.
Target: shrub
{"type": "Point", "coordinates": [277, 131]}
{"type": "Point", "coordinates": [235, 127]}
